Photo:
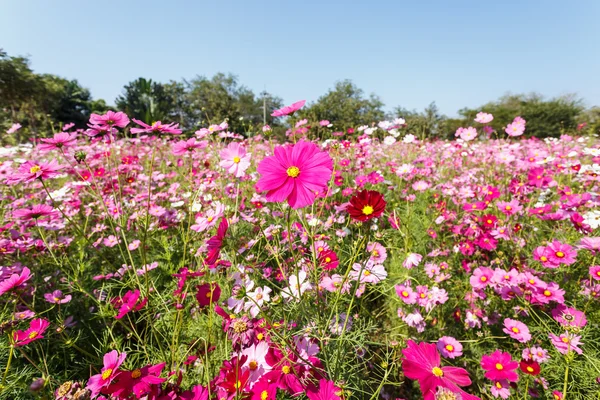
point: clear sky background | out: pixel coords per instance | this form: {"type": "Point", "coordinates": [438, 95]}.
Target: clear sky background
{"type": "Point", "coordinates": [458, 53]}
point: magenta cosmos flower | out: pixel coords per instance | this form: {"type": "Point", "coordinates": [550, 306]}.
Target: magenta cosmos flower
{"type": "Point", "coordinates": [295, 173]}
{"type": "Point", "coordinates": [36, 331]}
{"type": "Point", "coordinates": [32, 170]}
{"type": "Point", "coordinates": [35, 212]}
{"type": "Point", "coordinates": [110, 119]}
{"type": "Point", "coordinates": [15, 281]}
{"type": "Point", "coordinates": [499, 366]}
{"type": "Point", "coordinates": [112, 362]}
{"type": "Point", "coordinates": [422, 363]}
{"type": "Point", "coordinates": [516, 330]}
{"type": "Point", "coordinates": [60, 140]}
{"type": "Point", "coordinates": [289, 109]}
{"type": "Point", "coordinates": [235, 159]}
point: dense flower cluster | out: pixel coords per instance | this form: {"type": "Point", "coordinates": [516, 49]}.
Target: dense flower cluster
{"type": "Point", "coordinates": [215, 265]}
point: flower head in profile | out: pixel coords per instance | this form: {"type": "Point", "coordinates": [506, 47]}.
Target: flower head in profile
{"type": "Point", "coordinates": [484, 118]}
{"type": "Point", "coordinates": [110, 119]}
{"type": "Point", "coordinates": [187, 146]}
{"type": "Point", "coordinates": [235, 159]}
{"type": "Point", "coordinates": [365, 205]}
{"type": "Point", "coordinates": [34, 332]}
{"type": "Point", "coordinates": [60, 141]}
{"type": "Point", "coordinates": [35, 212]}
{"type": "Point", "coordinates": [57, 297]}
{"type": "Point", "coordinates": [15, 281]}
{"type": "Point", "coordinates": [13, 128]}
{"type": "Point", "coordinates": [32, 170]}
{"type": "Point", "coordinates": [156, 127]}
{"type": "Point", "coordinates": [422, 363]}
{"type": "Point", "coordinates": [128, 303]}
{"type": "Point", "coordinates": [287, 110]}
{"type": "Point", "coordinates": [295, 174]}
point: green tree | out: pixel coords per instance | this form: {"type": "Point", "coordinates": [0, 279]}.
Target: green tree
{"type": "Point", "coordinates": [345, 106]}
{"type": "Point", "coordinates": [426, 124]}
{"type": "Point", "coordinates": [220, 98]}
{"type": "Point", "coordinates": [551, 117]}
{"type": "Point", "coordinates": [146, 100]}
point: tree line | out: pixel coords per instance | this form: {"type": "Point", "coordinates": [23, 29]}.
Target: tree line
{"type": "Point", "coordinates": [43, 103]}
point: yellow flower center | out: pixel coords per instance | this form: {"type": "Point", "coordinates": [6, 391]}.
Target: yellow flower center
{"type": "Point", "coordinates": [560, 254]}
{"type": "Point", "coordinates": [437, 371]}
{"type": "Point", "coordinates": [515, 330]}
{"type": "Point", "coordinates": [286, 369]}
{"type": "Point", "coordinates": [293, 172]}
{"type": "Point", "coordinates": [547, 293]}
{"type": "Point", "coordinates": [367, 273]}
{"type": "Point", "coordinates": [404, 293]}
{"type": "Point", "coordinates": [107, 373]}
{"type": "Point", "coordinates": [544, 258]}
{"type": "Point", "coordinates": [136, 373]}
{"type": "Point", "coordinates": [367, 210]}
{"type": "Point", "coordinates": [238, 384]}
{"type": "Point", "coordinates": [498, 385]}
{"type": "Point", "coordinates": [328, 260]}
{"type": "Point", "coordinates": [508, 208]}
{"type": "Point", "coordinates": [565, 340]}
{"type": "Point", "coordinates": [33, 334]}
{"type": "Point", "coordinates": [35, 169]}
{"type": "Point", "coordinates": [260, 336]}
{"type": "Point", "coordinates": [483, 278]}
{"type": "Point", "coordinates": [236, 159]}
{"type": "Point", "coordinates": [499, 367]}
{"type": "Point", "coordinates": [252, 365]}
{"type": "Point", "coordinates": [449, 347]}
{"type": "Point", "coordinates": [264, 395]}
{"type": "Point", "coordinates": [530, 369]}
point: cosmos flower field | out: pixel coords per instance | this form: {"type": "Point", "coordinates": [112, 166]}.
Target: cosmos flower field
{"type": "Point", "coordinates": [140, 261]}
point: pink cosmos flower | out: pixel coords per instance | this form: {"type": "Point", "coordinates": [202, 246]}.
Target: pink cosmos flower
{"type": "Point", "coordinates": [235, 159]}
{"type": "Point", "coordinates": [422, 363]}
{"type": "Point", "coordinates": [370, 273]}
{"type": "Point", "coordinates": [467, 134]}
{"type": "Point", "coordinates": [509, 208]}
{"type": "Point", "coordinates": [590, 243]}
{"type": "Point", "coordinates": [13, 128]}
{"type": "Point", "coordinates": [595, 272]}
{"type": "Point", "coordinates": [406, 293]}
{"type": "Point", "coordinates": [35, 212]}
{"type": "Point", "coordinates": [15, 281]}
{"type": "Point", "coordinates": [561, 253]}
{"type": "Point", "coordinates": [481, 278]}
{"type": "Point", "coordinates": [566, 342]}
{"type": "Point", "coordinates": [110, 119]}
{"type": "Point", "coordinates": [567, 316]}
{"type": "Point", "coordinates": [500, 366]}
{"type": "Point", "coordinates": [184, 146]}
{"type": "Point", "coordinates": [57, 297]}
{"type": "Point", "coordinates": [516, 330]}
{"type": "Point", "coordinates": [484, 118]}
{"type": "Point", "coordinates": [516, 128]}
{"type": "Point", "coordinates": [289, 109]}
{"type": "Point", "coordinates": [501, 389]}
{"type": "Point", "coordinates": [138, 382]}
{"type": "Point", "coordinates": [449, 347]}
{"type": "Point", "coordinates": [36, 330]}
{"type": "Point", "coordinates": [32, 170]}
{"type": "Point", "coordinates": [537, 354]}
{"type": "Point", "coordinates": [156, 127]}
{"type": "Point", "coordinates": [377, 251]}
{"type": "Point", "coordinates": [295, 173]}
{"type": "Point", "coordinates": [60, 140]}
{"type": "Point", "coordinates": [112, 362]}
{"type": "Point", "coordinates": [208, 220]}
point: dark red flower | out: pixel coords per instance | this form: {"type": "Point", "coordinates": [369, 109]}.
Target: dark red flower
{"type": "Point", "coordinates": [207, 294]}
{"type": "Point", "coordinates": [365, 205]}
{"type": "Point", "coordinates": [530, 367]}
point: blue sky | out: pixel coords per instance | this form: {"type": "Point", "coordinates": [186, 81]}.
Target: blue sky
{"type": "Point", "coordinates": [458, 53]}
